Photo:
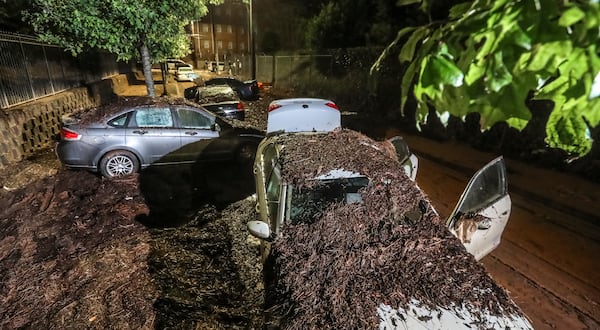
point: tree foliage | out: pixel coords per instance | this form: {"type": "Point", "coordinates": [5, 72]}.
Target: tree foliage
{"type": "Point", "coordinates": [150, 30]}
{"type": "Point", "coordinates": [490, 56]}
{"type": "Point", "coordinates": [356, 23]}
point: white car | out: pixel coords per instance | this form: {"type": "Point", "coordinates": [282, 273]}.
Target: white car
{"type": "Point", "coordinates": [185, 73]}
{"type": "Point", "coordinates": [285, 198]}
{"type": "Point", "coordinates": [173, 64]}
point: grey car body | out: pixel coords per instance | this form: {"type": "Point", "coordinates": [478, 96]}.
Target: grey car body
{"type": "Point", "coordinates": [219, 99]}
{"type": "Point", "coordinates": [138, 134]}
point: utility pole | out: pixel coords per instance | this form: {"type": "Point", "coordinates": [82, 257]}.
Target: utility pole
{"type": "Point", "coordinates": [252, 48]}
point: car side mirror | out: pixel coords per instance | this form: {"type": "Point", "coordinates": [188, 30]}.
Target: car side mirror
{"type": "Point", "coordinates": [259, 229]}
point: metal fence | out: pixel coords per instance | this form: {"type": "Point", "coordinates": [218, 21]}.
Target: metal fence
{"type": "Point", "coordinates": [287, 70]}
{"type": "Point", "coordinates": [30, 69]}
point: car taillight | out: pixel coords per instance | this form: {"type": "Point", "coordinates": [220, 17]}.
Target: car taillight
{"type": "Point", "coordinates": [332, 105]}
{"type": "Point", "coordinates": [274, 106]}
{"type": "Point", "coordinates": [68, 135]}
{"type": "Point", "coordinates": [240, 106]}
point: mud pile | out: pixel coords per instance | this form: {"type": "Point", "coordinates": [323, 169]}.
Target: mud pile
{"type": "Point", "coordinates": [334, 271]}
{"type": "Point", "coordinates": [72, 254]}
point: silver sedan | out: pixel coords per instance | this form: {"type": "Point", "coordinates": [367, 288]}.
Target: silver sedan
{"type": "Point", "coordinates": [123, 138]}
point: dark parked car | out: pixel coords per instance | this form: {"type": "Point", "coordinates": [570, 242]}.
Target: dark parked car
{"type": "Point", "coordinates": [219, 99]}
{"type": "Point", "coordinates": [247, 90]}
{"type": "Point", "coordinates": [130, 135]}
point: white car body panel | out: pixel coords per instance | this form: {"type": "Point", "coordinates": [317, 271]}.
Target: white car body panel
{"type": "Point", "coordinates": [417, 316]}
{"type": "Point", "coordinates": [484, 241]}
{"type": "Point", "coordinates": [303, 115]}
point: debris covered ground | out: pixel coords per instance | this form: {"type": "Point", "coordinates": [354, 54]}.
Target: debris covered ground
{"type": "Point", "coordinates": [78, 251]}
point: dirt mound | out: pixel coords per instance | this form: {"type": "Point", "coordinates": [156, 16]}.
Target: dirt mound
{"type": "Point", "coordinates": [335, 270]}
{"type": "Point", "coordinates": [73, 254]}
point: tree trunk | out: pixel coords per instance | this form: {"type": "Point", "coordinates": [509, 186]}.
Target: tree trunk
{"type": "Point", "coordinates": [147, 67]}
{"type": "Point", "coordinates": [165, 77]}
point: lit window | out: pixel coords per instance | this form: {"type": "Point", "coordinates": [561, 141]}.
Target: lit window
{"type": "Point", "coordinates": [220, 44]}
{"type": "Point", "coordinates": [204, 27]}
{"type": "Point", "coordinates": [229, 29]}
{"type": "Point", "coordinates": [218, 27]}
{"type": "Point", "coordinates": [242, 46]}
{"type": "Point", "coordinates": [230, 45]}
{"type": "Point", "coordinates": [206, 44]}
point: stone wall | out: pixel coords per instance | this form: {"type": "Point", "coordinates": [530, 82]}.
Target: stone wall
{"type": "Point", "coordinates": [34, 126]}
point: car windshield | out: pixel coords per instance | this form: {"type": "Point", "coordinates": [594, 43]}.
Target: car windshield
{"type": "Point", "coordinates": [306, 204]}
{"type": "Point", "coordinates": [185, 68]}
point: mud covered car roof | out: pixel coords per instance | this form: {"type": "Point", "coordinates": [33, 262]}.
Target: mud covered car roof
{"type": "Point", "coordinates": [392, 248]}
{"type": "Point", "coordinates": [100, 113]}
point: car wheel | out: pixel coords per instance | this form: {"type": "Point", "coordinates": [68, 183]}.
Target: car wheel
{"type": "Point", "coordinates": [119, 163]}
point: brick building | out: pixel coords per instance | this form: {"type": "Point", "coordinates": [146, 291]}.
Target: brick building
{"type": "Point", "coordinates": [223, 31]}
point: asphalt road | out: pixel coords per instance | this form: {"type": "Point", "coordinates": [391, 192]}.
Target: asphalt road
{"type": "Point", "coordinates": [549, 258]}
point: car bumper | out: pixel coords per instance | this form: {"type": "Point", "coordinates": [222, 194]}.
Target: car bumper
{"type": "Point", "coordinates": [76, 155]}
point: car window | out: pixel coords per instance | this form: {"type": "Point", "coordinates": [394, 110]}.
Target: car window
{"type": "Point", "coordinates": [118, 121]}
{"type": "Point", "coordinates": [273, 184]}
{"type": "Point", "coordinates": [153, 117]}
{"type": "Point", "coordinates": [193, 119]}
{"type": "Point", "coordinates": [487, 186]}
{"type": "Point", "coordinates": [306, 204]}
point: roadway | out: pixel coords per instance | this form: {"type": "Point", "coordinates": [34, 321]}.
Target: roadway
{"type": "Point", "coordinates": [549, 256]}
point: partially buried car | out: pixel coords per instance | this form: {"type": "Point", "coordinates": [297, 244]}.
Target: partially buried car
{"type": "Point", "coordinates": [247, 90]}
{"type": "Point", "coordinates": [219, 99]}
{"type": "Point", "coordinates": [134, 133]}
{"type": "Point", "coordinates": [349, 240]}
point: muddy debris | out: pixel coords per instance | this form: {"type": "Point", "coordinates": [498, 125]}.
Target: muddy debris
{"type": "Point", "coordinates": [333, 271]}
{"type": "Point", "coordinates": [77, 251]}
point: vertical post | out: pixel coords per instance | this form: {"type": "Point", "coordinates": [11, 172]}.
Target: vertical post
{"type": "Point", "coordinates": [252, 42]}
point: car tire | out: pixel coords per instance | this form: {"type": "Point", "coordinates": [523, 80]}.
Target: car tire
{"type": "Point", "coordinates": [119, 163]}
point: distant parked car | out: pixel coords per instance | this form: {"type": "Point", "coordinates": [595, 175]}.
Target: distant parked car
{"type": "Point", "coordinates": [122, 138]}
{"type": "Point", "coordinates": [247, 90]}
{"type": "Point", "coordinates": [212, 66]}
{"type": "Point", "coordinates": [219, 99]}
{"type": "Point", "coordinates": [173, 64]}
{"type": "Point", "coordinates": [185, 73]}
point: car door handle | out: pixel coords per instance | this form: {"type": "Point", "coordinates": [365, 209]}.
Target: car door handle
{"type": "Point", "coordinates": [191, 133]}
{"type": "Point", "coordinates": [142, 132]}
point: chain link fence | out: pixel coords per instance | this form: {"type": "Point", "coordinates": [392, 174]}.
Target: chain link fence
{"type": "Point", "coordinates": [30, 69]}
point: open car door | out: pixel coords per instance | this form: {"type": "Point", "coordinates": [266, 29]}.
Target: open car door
{"type": "Point", "coordinates": [482, 212]}
{"type": "Point", "coordinates": [409, 161]}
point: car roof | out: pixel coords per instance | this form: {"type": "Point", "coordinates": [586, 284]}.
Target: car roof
{"type": "Point", "coordinates": [303, 115]}
{"type": "Point", "coordinates": [213, 90]}
{"type": "Point", "coordinates": [124, 104]}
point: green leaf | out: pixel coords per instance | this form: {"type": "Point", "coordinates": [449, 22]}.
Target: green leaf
{"type": "Point", "coordinates": [440, 71]}
{"type": "Point", "coordinates": [459, 10]}
{"type": "Point", "coordinates": [498, 76]}
{"type": "Point", "coordinates": [408, 50]}
{"type": "Point", "coordinates": [406, 2]}
{"type": "Point", "coordinates": [567, 130]}
{"type": "Point", "coordinates": [571, 16]}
